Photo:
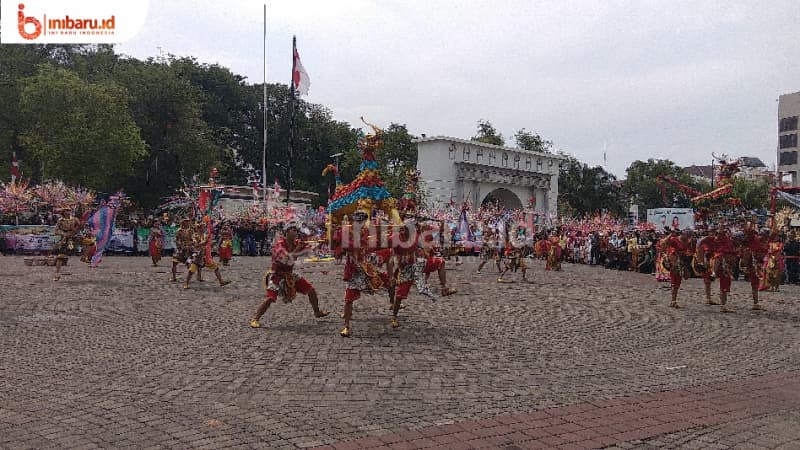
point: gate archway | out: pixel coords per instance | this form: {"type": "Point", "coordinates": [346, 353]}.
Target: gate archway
{"type": "Point", "coordinates": [505, 197]}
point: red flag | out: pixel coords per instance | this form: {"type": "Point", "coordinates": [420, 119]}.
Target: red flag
{"type": "Point", "coordinates": [299, 76]}
{"type": "Point", "coordinates": [14, 166]}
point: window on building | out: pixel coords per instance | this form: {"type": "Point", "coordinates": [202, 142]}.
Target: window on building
{"type": "Point", "coordinates": [491, 156]}
{"type": "Point", "coordinates": [479, 155]}
{"type": "Point", "coordinates": [505, 159]}
{"type": "Point", "coordinates": [452, 151]}
{"type": "Point", "coordinates": [528, 163]}
{"type": "Point", "coordinates": [539, 163]}
{"type": "Point", "coordinates": [465, 153]}
{"type": "Point", "coordinates": [787, 124]}
{"type": "Point", "coordinates": [788, 159]}
{"type": "Point", "coordinates": [788, 141]}
{"type": "Point", "coordinates": [516, 161]}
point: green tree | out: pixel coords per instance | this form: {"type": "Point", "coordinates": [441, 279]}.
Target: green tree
{"type": "Point", "coordinates": [317, 136]}
{"type": "Point", "coordinates": [168, 110]}
{"type": "Point", "coordinates": [642, 188]}
{"type": "Point", "coordinates": [754, 194]}
{"type": "Point", "coordinates": [583, 190]}
{"type": "Point", "coordinates": [398, 156]}
{"type": "Point", "coordinates": [231, 109]}
{"type": "Point", "coordinates": [528, 140]}
{"type": "Point", "coordinates": [488, 134]}
{"type": "Point", "coordinates": [80, 132]}
{"type": "Point", "coordinates": [17, 63]}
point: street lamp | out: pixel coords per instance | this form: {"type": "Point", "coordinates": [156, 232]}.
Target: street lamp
{"type": "Point", "coordinates": [335, 157]}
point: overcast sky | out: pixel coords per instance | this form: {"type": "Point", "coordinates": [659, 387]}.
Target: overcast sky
{"type": "Point", "coordinates": [645, 79]}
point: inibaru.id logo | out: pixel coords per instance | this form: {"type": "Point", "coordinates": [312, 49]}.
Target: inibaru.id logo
{"type": "Point", "coordinates": [22, 21]}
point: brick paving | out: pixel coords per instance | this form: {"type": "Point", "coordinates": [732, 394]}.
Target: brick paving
{"type": "Point", "coordinates": [757, 412]}
{"type": "Point", "coordinates": [136, 361]}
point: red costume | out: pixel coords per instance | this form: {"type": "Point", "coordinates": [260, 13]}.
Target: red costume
{"type": "Point", "coordinates": [723, 260]}
{"type": "Point", "coordinates": [553, 251]}
{"type": "Point", "coordinates": [281, 280]}
{"type": "Point", "coordinates": [360, 274]}
{"type": "Point", "coordinates": [156, 244]}
{"type": "Point", "coordinates": [405, 271]}
{"type": "Point", "coordinates": [678, 250]}
{"type": "Point", "coordinates": [773, 263]}
{"type": "Point", "coordinates": [226, 245]}
{"type": "Point", "coordinates": [704, 251]}
{"type": "Point", "coordinates": [752, 252]}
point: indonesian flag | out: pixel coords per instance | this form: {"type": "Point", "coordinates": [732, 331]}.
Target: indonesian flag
{"type": "Point", "coordinates": [276, 189]}
{"type": "Point", "coordinates": [14, 167]}
{"type": "Point", "coordinates": [299, 76]}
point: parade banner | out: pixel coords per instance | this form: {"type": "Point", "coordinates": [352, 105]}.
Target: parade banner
{"type": "Point", "coordinates": [143, 238]}
{"type": "Point", "coordinates": [29, 238]}
{"type": "Point", "coordinates": [169, 237]}
{"type": "Point", "coordinates": [674, 218]}
{"type": "Point", "coordinates": [121, 242]}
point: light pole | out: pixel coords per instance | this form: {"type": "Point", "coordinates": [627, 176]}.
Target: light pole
{"type": "Point", "coordinates": [288, 181]}
{"type": "Point", "coordinates": [712, 174]}
{"type": "Point", "coordinates": [336, 157]}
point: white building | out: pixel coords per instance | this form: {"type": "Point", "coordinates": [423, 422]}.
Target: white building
{"type": "Point", "coordinates": [237, 198]}
{"type": "Point", "coordinates": [461, 170]}
{"type": "Point", "coordinates": [788, 112]}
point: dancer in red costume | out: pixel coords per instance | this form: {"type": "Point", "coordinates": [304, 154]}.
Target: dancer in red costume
{"type": "Point", "coordinates": [679, 249]}
{"type": "Point", "coordinates": [156, 243]}
{"type": "Point", "coordinates": [724, 257]}
{"type": "Point", "coordinates": [553, 248]}
{"type": "Point", "coordinates": [773, 262]}
{"type": "Point", "coordinates": [701, 264]}
{"type": "Point", "coordinates": [360, 274]}
{"type": "Point", "coordinates": [751, 256]}
{"type": "Point", "coordinates": [433, 263]}
{"type": "Point", "coordinates": [225, 245]}
{"type": "Point", "coordinates": [403, 268]}
{"type": "Point", "coordinates": [281, 281]}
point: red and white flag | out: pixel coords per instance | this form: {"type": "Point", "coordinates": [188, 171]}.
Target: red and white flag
{"type": "Point", "coordinates": [299, 76]}
{"type": "Point", "coordinates": [276, 189]}
{"type": "Point", "coordinates": [14, 167]}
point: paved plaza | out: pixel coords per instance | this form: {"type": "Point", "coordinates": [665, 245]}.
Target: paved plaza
{"type": "Point", "coordinates": [585, 358]}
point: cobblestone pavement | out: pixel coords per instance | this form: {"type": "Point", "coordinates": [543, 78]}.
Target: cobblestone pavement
{"type": "Point", "coordinates": [118, 356]}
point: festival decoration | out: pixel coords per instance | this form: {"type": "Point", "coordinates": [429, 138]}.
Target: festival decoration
{"type": "Point", "coordinates": [15, 198]}
{"type": "Point", "coordinates": [711, 202]}
{"type": "Point", "coordinates": [366, 192]}
{"type": "Point", "coordinates": [409, 203]}
{"type": "Point", "coordinates": [103, 224]}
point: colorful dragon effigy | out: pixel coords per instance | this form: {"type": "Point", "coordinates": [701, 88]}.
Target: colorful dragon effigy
{"type": "Point", "coordinates": [708, 203]}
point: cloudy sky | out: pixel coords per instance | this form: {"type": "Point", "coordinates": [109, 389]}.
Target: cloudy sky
{"type": "Point", "coordinates": [643, 79]}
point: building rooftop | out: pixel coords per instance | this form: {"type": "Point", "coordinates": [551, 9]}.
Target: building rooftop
{"type": "Point", "coordinates": [701, 171]}
{"type": "Point", "coordinates": [748, 161]}
{"type": "Point", "coordinates": [490, 146]}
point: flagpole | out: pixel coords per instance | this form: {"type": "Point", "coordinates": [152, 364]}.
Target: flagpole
{"type": "Point", "coordinates": [264, 150]}
{"type": "Point", "coordinates": [291, 122]}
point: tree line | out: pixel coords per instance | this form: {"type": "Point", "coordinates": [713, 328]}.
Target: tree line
{"type": "Point", "coordinates": [89, 116]}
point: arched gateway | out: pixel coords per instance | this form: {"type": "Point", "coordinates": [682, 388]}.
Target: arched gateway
{"type": "Point", "coordinates": [503, 196]}
{"type": "Point", "coordinates": [456, 169]}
